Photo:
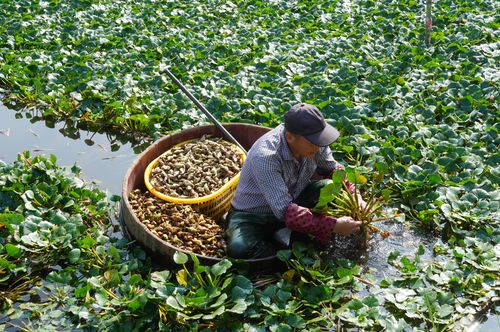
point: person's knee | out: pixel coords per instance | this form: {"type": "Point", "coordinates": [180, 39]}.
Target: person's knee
{"type": "Point", "coordinates": [237, 247]}
{"type": "Point", "coordinates": [245, 248]}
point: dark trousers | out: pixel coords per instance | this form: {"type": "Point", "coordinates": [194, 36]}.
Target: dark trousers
{"type": "Point", "coordinates": [251, 235]}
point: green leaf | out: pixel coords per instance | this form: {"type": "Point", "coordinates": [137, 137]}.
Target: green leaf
{"type": "Point", "coordinates": [74, 255]}
{"type": "Point", "coordinates": [284, 255]}
{"type": "Point", "coordinates": [5, 264]}
{"type": "Point", "coordinates": [172, 302]}
{"type": "Point", "coordinates": [59, 218]}
{"type": "Point", "coordinates": [219, 311]}
{"type": "Point", "coordinates": [242, 287]}
{"type": "Point", "coordinates": [283, 296]}
{"type": "Point", "coordinates": [343, 272]}
{"type": "Point", "coordinates": [138, 302]}
{"type": "Point", "coordinates": [283, 328]}
{"type": "Point", "coordinates": [113, 253]}
{"type": "Point", "coordinates": [371, 301]}
{"type": "Point", "coordinates": [393, 255]}
{"type": "Point", "coordinates": [219, 302]}
{"type": "Point", "coordinates": [11, 218]}
{"type": "Point", "coordinates": [69, 203]}
{"type": "Point", "coordinates": [82, 292]}
{"type": "Point", "coordinates": [407, 264]}
{"type": "Point", "coordinates": [386, 194]}
{"type": "Point", "coordinates": [343, 280]}
{"type": "Point", "coordinates": [355, 304]}
{"type": "Point", "coordinates": [239, 307]}
{"type": "Point", "coordinates": [180, 257]}
{"type": "Point", "coordinates": [434, 179]}
{"type": "Point", "coordinates": [420, 250]}
{"type": "Point", "coordinates": [221, 267]}
{"type": "Point", "coordinates": [351, 174]}
{"type": "Point", "coordinates": [196, 263]}
{"type": "Point", "coordinates": [445, 310]}
{"type": "Point", "coordinates": [338, 176]}
{"type": "Point", "coordinates": [101, 298]}
{"type": "Point", "coordinates": [63, 276]}
{"type": "Point", "coordinates": [382, 167]}
{"type": "Point", "coordinates": [13, 251]}
{"type": "Point", "coordinates": [112, 277]}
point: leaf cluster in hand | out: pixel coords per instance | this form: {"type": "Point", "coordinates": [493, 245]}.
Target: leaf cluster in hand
{"type": "Point", "coordinates": [337, 199]}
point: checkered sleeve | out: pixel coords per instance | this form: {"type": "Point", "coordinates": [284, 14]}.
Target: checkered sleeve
{"type": "Point", "coordinates": [268, 176]}
{"type": "Point", "coordinates": [325, 161]}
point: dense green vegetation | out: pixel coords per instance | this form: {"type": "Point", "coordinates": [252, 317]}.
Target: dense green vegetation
{"type": "Point", "coordinates": [56, 229]}
{"type": "Point", "coordinates": [429, 114]}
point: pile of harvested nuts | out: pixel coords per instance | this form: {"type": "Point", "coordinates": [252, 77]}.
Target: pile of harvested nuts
{"type": "Point", "coordinates": [179, 224]}
{"type": "Point", "coordinates": [197, 168]}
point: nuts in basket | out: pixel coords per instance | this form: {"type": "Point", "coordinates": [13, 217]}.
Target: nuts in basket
{"type": "Point", "coordinates": [179, 224]}
{"type": "Point", "coordinates": [197, 168]}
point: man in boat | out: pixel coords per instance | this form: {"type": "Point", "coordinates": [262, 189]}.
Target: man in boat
{"type": "Point", "coordinates": [277, 187]}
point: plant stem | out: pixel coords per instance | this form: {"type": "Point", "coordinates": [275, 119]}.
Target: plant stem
{"type": "Point", "coordinates": [428, 22]}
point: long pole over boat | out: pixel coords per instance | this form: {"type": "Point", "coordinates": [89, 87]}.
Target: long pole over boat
{"type": "Point", "coordinates": [226, 133]}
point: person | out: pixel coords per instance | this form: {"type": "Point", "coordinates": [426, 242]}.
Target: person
{"type": "Point", "coordinates": [279, 185]}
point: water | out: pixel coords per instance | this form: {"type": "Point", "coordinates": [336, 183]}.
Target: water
{"type": "Point", "coordinates": [101, 159]}
{"type": "Point", "coordinates": [104, 160]}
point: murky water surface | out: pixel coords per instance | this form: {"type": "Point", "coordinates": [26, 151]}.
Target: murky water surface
{"type": "Point", "coordinates": [374, 260]}
{"type": "Point", "coordinates": [104, 161]}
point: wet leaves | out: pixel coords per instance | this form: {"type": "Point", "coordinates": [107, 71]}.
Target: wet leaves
{"type": "Point", "coordinates": [46, 224]}
{"type": "Point", "coordinates": [102, 282]}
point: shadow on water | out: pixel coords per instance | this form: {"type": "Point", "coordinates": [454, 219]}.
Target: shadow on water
{"type": "Point", "coordinates": [76, 129]}
{"type": "Point", "coordinates": [103, 158]}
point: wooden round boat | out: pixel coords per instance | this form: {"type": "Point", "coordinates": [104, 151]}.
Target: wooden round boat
{"type": "Point", "coordinates": [160, 250]}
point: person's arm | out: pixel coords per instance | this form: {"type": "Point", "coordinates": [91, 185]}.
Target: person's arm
{"type": "Point", "coordinates": [303, 220]}
{"type": "Point", "coordinates": [269, 178]}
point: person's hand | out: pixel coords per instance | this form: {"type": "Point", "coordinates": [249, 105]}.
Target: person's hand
{"type": "Point", "coordinates": [346, 226]}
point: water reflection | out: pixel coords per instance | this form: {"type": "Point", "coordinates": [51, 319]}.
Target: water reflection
{"type": "Point", "coordinates": [103, 157]}
{"type": "Point", "coordinates": [76, 129]}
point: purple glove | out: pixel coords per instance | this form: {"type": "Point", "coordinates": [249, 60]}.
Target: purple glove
{"type": "Point", "coordinates": [301, 219]}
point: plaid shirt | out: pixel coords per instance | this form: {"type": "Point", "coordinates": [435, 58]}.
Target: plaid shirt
{"type": "Point", "coordinates": [271, 178]}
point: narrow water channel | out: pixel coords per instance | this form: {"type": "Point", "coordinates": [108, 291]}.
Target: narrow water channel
{"type": "Point", "coordinates": [104, 162]}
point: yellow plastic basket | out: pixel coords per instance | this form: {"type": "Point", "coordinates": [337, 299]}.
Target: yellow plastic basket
{"type": "Point", "coordinates": [214, 205]}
